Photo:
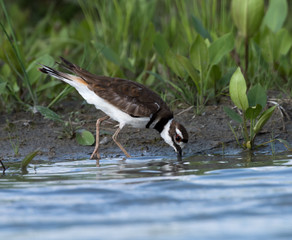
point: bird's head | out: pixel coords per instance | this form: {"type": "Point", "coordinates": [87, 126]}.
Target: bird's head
{"type": "Point", "coordinates": [176, 136]}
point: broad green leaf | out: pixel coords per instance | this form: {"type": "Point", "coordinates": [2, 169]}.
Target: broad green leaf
{"type": "Point", "coordinates": [199, 54]}
{"type": "Point", "coordinates": [200, 28]}
{"type": "Point", "coordinates": [160, 45]}
{"type": "Point", "coordinates": [27, 159]}
{"type": "Point", "coordinates": [267, 42]}
{"type": "Point", "coordinates": [276, 14]}
{"type": "Point", "coordinates": [283, 42]}
{"type": "Point", "coordinates": [186, 63]}
{"type": "Point", "coordinates": [84, 137]}
{"type": "Point", "coordinates": [49, 114]}
{"type": "Point", "coordinates": [220, 47]}
{"type": "Point", "coordinates": [232, 114]}
{"type": "Point", "coordinates": [247, 16]}
{"type": "Point", "coordinates": [215, 76]}
{"type": "Point", "coordinates": [5, 70]}
{"type": "Point", "coordinates": [257, 95]}
{"type": "Point", "coordinates": [253, 112]}
{"type": "Point", "coordinates": [275, 45]}
{"type": "Point", "coordinates": [237, 90]}
{"type": "Point", "coordinates": [263, 119]}
{"type": "Point", "coordinates": [174, 64]}
{"type": "Point", "coordinates": [2, 87]}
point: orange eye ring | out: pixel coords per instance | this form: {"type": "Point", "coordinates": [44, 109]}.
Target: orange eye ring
{"type": "Point", "coordinates": [178, 138]}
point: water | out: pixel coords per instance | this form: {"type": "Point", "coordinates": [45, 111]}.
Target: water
{"type": "Point", "coordinates": [231, 197]}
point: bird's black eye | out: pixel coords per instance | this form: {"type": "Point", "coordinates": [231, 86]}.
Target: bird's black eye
{"type": "Point", "coordinates": [177, 138]}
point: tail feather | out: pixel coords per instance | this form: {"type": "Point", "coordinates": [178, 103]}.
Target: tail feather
{"type": "Point", "coordinates": [68, 78]}
{"type": "Point", "coordinates": [54, 73]}
{"type": "Point", "coordinates": [68, 65]}
{"type": "Point", "coordinates": [77, 70]}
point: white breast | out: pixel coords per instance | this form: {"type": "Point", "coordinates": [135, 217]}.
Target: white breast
{"type": "Point", "coordinates": [109, 109]}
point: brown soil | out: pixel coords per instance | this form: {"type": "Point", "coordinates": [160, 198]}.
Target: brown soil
{"type": "Point", "coordinates": [209, 133]}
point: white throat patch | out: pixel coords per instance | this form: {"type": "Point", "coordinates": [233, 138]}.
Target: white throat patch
{"type": "Point", "coordinates": [165, 134]}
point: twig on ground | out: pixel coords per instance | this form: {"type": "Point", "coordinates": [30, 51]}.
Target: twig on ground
{"type": "Point", "coordinates": [282, 111]}
{"type": "Point", "coordinates": [185, 110]}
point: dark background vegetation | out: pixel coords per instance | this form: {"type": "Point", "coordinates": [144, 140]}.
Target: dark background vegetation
{"type": "Point", "coordinates": [184, 50]}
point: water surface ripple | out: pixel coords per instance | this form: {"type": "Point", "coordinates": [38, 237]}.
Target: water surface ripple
{"type": "Point", "coordinates": [231, 197]}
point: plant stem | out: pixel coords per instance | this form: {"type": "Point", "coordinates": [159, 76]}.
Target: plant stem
{"type": "Point", "coordinates": [245, 128]}
{"type": "Point", "coordinates": [265, 143]}
{"type": "Point", "coordinates": [246, 44]}
{"type": "Point", "coordinates": [65, 91]}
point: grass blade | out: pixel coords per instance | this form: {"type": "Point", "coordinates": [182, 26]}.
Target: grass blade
{"type": "Point", "coordinates": [27, 159]}
{"type": "Point", "coordinates": [13, 43]}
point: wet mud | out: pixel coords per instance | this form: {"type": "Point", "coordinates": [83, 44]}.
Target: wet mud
{"type": "Point", "coordinates": [209, 133]}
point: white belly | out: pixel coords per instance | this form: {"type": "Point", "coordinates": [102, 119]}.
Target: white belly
{"type": "Point", "coordinates": [110, 110]}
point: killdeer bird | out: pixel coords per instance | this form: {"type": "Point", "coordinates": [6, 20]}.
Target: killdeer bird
{"type": "Point", "coordinates": [126, 102]}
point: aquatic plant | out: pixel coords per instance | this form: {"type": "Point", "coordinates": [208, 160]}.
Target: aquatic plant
{"type": "Point", "coordinates": [251, 105]}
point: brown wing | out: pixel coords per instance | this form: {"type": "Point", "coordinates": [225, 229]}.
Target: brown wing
{"type": "Point", "coordinates": [131, 97]}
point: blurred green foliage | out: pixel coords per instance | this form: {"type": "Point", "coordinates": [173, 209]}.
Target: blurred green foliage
{"type": "Point", "coordinates": [184, 50]}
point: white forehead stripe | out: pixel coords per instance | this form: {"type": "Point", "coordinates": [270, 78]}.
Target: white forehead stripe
{"type": "Point", "coordinates": [178, 132]}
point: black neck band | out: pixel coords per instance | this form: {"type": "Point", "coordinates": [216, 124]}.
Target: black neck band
{"type": "Point", "coordinates": [152, 118]}
{"type": "Point", "coordinates": [162, 122]}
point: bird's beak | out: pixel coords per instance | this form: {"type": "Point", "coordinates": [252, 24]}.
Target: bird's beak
{"type": "Point", "coordinates": [179, 155]}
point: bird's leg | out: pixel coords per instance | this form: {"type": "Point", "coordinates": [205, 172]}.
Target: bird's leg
{"type": "Point", "coordinates": [120, 146]}
{"type": "Point", "coordinates": [95, 154]}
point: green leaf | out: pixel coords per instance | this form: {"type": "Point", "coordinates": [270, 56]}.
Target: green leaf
{"type": "Point", "coordinates": [220, 47]}
{"type": "Point", "coordinates": [160, 45]}
{"type": "Point", "coordinates": [286, 144]}
{"type": "Point", "coordinates": [186, 63]}
{"type": "Point", "coordinates": [215, 76]}
{"type": "Point", "coordinates": [283, 42]}
{"type": "Point", "coordinates": [33, 74]}
{"type": "Point", "coordinates": [237, 89]}
{"type": "Point", "coordinates": [233, 115]}
{"type": "Point", "coordinates": [247, 16]}
{"type": "Point", "coordinates": [199, 54]}
{"type": "Point", "coordinates": [147, 40]}
{"type": "Point", "coordinates": [276, 14]}
{"type": "Point", "coordinates": [27, 159]}
{"type": "Point", "coordinates": [45, 59]}
{"type": "Point", "coordinates": [263, 119]}
{"type": "Point", "coordinates": [174, 64]}
{"type": "Point", "coordinates": [200, 28]}
{"type": "Point", "coordinates": [223, 81]}
{"type": "Point", "coordinates": [257, 95]}
{"type": "Point", "coordinates": [108, 53]}
{"type": "Point", "coordinates": [253, 112]}
{"type": "Point", "coordinates": [267, 44]}
{"type": "Point", "coordinates": [5, 71]}
{"type": "Point", "coordinates": [2, 87]}
{"type": "Point", "coordinates": [84, 137]}
{"type": "Point", "coordinates": [49, 114]}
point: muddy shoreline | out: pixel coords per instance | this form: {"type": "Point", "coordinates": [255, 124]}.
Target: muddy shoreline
{"type": "Point", "coordinates": [209, 133]}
